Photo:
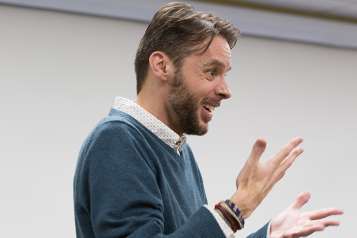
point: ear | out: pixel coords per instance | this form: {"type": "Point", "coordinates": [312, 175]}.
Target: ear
{"type": "Point", "coordinates": [161, 65]}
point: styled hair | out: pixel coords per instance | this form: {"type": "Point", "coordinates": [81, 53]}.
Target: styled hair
{"type": "Point", "coordinates": [176, 30]}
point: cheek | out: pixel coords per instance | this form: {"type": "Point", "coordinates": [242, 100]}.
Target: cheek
{"type": "Point", "coordinates": [198, 84]}
{"type": "Point", "coordinates": [207, 88]}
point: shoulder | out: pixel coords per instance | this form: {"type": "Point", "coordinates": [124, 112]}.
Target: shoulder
{"type": "Point", "coordinates": [116, 131]}
{"type": "Point", "coordinates": [117, 125]}
{"type": "Point", "coordinates": [116, 139]}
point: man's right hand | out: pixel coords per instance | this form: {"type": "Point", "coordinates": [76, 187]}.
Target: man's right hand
{"type": "Point", "coordinates": [256, 179]}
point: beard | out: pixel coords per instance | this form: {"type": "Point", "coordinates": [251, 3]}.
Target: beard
{"type": "Point", "coordinates": [186, 105]}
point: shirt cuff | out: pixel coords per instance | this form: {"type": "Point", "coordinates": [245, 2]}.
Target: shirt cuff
{"type": "Point", "coordinates": [227, 231]}
{"type": "Point", "coordinates": [268, 230]}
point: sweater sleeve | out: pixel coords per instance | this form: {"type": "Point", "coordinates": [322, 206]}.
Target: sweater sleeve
{"type": "Point", "coordinates": [261, 233]}
{"type": "Point", "coordinates": [117, 194]}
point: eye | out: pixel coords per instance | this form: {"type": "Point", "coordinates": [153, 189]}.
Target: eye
{"type": "Point", "coordinates": [212, 73]}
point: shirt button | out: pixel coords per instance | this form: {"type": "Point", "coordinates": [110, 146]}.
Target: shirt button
{"type": "Point", "coordinates": [178, 142]}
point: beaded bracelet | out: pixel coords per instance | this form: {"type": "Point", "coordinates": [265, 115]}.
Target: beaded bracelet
{"type": "Point", "coordinates": [236, 211]}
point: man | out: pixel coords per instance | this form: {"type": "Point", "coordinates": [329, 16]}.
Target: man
{"type": "Point", "coordinates": [137, 177]}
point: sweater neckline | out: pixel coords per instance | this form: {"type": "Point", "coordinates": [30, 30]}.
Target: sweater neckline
{"type": "Point", "coordinates": [170, 150]}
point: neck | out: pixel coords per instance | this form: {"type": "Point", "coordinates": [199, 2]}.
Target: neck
{"type": "Point", "coordinates": [155, 102]}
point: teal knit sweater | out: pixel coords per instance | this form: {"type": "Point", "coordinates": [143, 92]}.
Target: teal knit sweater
{"type": "Point", "coordinates": [129, 183]}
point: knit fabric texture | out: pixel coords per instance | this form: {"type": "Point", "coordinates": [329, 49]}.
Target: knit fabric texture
{"type": "Point", "coordinates": [129, 183]}
{"type": "Point", "coordinates": [261, 233]}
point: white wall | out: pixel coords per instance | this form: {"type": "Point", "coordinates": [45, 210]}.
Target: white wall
{"type": "Point", "coordinates": [59, 76]}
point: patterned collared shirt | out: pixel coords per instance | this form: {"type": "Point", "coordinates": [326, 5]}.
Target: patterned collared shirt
{"type": "Point", "coordinates": [151, 122]}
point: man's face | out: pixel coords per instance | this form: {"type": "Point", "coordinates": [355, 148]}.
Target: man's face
{"type": "Point", "coordinates": [199, 86]}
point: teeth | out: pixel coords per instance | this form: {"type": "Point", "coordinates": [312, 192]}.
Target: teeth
{"type": "Point", "coordinates": [210, 107]}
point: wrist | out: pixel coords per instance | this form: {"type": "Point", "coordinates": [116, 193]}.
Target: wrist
{"type": "Point", "coordinates": [274, 229]}
{"type": "Point", "coordinates": [244, 207]}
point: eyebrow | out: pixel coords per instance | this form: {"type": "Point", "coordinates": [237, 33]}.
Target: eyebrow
{"type": "Point", "coordinates": [216, 62]}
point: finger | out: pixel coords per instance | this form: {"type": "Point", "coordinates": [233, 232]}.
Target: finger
{"type": "Point", "coordinates": [257, 151]}
{"type": "Point", "coordinates": [288, 161]}
{"type": "Point", "coordinates": [328, 222]}
{"type": "Point", "coordinates": [322, 213]}
{"type": "Point", "coordinates": [303, 231]}
{"type": "Point", "coordinates": [302, 199]}
{"type": "Point", "coordinates": [318, 226]}
{"type": "Point", "coordinates": [308, 230]}
{"type": "Point", "coordinates": [285, 151]}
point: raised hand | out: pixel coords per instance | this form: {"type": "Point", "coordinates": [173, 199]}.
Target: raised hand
{"type": "Point", "coordinates": [292, 224]}
{"type": "Point", "coordinates": [256, 179]}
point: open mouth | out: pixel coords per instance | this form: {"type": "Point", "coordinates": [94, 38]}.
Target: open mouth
{"type": "Point", "coordinates": [208, 108]}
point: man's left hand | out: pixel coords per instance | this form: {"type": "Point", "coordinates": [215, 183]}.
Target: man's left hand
{"type": "Point", "coordinates": [292, 224]}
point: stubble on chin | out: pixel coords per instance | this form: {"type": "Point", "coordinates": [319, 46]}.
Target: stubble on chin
{"type": "Point", "coordinates": [186, 106]}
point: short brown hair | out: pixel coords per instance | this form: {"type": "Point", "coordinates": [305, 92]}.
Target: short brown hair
{"type": "Point", "coordinates": [176, 30]}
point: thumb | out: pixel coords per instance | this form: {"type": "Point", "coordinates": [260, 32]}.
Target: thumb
{"type": "Point", "coordinates": [300, 200]}
{"type": "Point", "coordinates": [257, 151]}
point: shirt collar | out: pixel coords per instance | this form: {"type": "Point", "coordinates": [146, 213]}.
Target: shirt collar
{"type": "Point", "coordinates": [151, 122]}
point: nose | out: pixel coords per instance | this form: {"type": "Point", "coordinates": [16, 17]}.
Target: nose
{"type": "Point", "coordinates": [222, 90]}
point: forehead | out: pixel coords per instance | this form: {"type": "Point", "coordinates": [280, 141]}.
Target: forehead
{"type": "Point", "coordinates": [218, 53]}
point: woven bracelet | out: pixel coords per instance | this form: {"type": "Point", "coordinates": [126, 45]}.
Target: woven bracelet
{"type": "Point", "coordinates": [236, 211]}
{"type": "Point", "coordinates": [232, 215]}
{"type": "Point", "coordinates": [226, 217]}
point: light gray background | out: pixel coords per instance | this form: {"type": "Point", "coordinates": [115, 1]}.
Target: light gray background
{"type": "Point", "coordinates": [59, 76]}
